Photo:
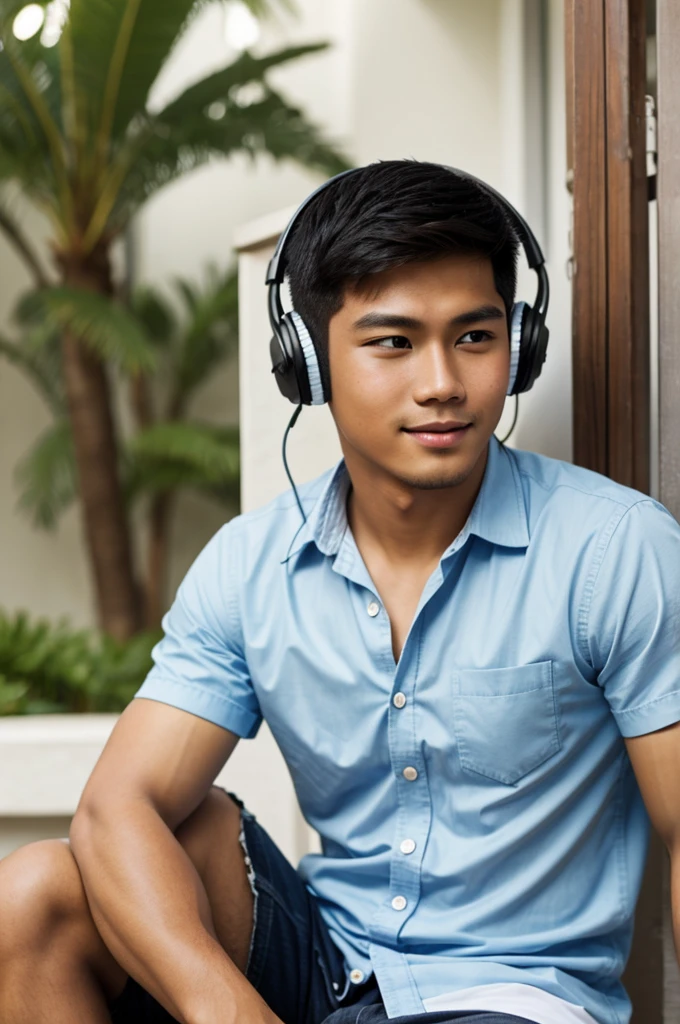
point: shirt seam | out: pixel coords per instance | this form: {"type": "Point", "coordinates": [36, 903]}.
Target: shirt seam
{"type": "Point", "coordinates": [232, 604]}
{"type": "Point", "coordinates": [606, 536]}
{"type": "Point", "coordinates": [580, 490]}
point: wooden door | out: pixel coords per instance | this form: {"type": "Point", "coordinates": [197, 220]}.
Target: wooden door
{"type": "Point", "coordinates": [668, 200]}
{"type": "Point", "coordinates": [606, 87]}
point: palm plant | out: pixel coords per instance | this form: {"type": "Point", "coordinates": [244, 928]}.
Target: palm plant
{"type": "Point", "coordinates": [166, 449]}
{"type": "Point", "coordinates": [78, 137]}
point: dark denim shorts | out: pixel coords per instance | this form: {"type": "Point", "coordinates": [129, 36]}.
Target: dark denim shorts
{"type": "Point", "coordinates": [293, 962]}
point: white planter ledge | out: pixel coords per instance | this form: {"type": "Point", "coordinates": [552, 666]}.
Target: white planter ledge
{"type": "Point", "coordinates": [45, 761]}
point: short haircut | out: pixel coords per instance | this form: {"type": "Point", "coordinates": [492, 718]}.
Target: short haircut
{"type": "Point", "coordinates": [383, 216]}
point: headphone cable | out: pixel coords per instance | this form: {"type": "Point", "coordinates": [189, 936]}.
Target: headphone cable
{"type": "Point", "coordinates": [514, 421]}
{"type": "Point", "coordinates": [292, 423]}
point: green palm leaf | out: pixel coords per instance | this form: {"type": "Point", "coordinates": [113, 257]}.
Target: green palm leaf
{"type": "Point", "coordinates": [119, 46]}
{"type": "Point", "coordinates": [47, 476]}
{"type": "Point", "coordinates": [210, 334]}
{"type": "Point", "coordinates": [128, 40]}
{"type": "Point", "coordinates": [102, 323]}
{"type": "Point", "coordinates": [30, 115]}
{"type": "Point", "coordinates": [24, 145]}
{"type": "Point", "coordinates": [225, 85]}
{"type": "Point", "coordinates": [11, 695]}
{"type": "Point", "coordinates": [175, 455]}
{"type": "Point", "coordinates": [155, 313]}
{"type": "Point", "coordinates": [270, 125]}
{"type": "Point", "coordinates": [40, 363]}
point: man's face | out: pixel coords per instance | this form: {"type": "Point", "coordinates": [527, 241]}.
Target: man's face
{"type": "Point", "coordinates": [419, 364]}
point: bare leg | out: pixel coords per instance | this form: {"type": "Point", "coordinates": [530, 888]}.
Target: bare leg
{"type": "Point", "coordinates": [55, 968]}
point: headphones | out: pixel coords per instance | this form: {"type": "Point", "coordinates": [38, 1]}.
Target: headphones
{"type": "Point", "coordinates": [294, 359]}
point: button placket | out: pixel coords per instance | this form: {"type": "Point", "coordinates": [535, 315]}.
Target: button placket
{"type": "Point", "coordinates": [414, 810]}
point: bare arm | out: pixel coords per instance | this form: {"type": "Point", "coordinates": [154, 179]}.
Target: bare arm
{"type": "Point", "coordinates": [656, 763]}
{"type": "Point", "coordinates": [146, 897]}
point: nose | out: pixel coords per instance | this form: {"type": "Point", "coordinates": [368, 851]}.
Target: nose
{"type": "Point", "coordinates": [437, 379]}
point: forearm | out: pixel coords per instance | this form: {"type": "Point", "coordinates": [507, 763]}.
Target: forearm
{"type": "Point", "coordinates": [675, 899]}
{"type": "Point", "coordinates": [152, 910]}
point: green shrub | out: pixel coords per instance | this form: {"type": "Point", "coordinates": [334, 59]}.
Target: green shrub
{"type": "Point", "coordinates": [50, 667]}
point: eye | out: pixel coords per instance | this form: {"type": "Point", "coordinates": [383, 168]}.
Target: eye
{"type": "Point", "coordinates": [395, 341]}
{"type": "Point", "coordinates": [475, 337]}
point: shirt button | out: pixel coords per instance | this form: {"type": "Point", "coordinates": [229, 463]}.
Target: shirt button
{"type": "Point", "coordinates": [407, 845]}
{"type": "Point", "coordinates": [373, 609]}
{"type": "Point", "coordinates": [356, 976]}
{"type": "Point", "coordinates": [399, 700]}
{"type": "Point", "coordinates": [399, 902]}
{"type": "Point", "coordinates": [410, 773]}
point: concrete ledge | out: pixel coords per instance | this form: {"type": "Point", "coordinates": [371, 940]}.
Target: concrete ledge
{"type": "Point", "coordinates": [45, 761]}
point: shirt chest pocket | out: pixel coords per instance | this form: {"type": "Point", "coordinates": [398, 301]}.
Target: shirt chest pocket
{"type": "Point", "coordinates": [505, 720]}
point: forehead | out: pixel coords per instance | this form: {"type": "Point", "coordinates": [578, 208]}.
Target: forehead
{"type": "Point", "coordinates": [453, 282]}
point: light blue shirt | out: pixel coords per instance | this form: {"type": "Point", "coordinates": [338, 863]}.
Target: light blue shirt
{"type": "Point", "coordinates": [479, 817]}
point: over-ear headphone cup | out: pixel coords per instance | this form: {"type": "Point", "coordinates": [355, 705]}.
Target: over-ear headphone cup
{"type": "Point", "coordinates": [284, 370]}
{"type": "Point", "coordinates": [533, 350]}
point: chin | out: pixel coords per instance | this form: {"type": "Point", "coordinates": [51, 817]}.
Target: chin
{"type": "Point", "coordinates": [434, 479]}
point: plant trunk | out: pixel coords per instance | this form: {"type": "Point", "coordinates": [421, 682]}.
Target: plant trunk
{"type": "Point", "coordinates": [106, 525]}
{"type": "Point", "coordinates": [158, 557]}
{"type": "Point", "coordinates": [158, 520]}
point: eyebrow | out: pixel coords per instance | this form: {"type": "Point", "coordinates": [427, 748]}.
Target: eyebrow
{"type": "Point", "coordinates": [471, 316]}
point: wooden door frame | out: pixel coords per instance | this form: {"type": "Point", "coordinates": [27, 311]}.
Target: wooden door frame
{"type": "Point", "coordinates": [606, 85]}
{"type": "Point", "coordinates": [668, 202]}
{"type": "Point", "coordinates": [606, 150]}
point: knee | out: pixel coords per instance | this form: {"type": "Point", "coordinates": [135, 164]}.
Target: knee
{"type": "Point", "coordinates": [40, 891]}
{"type": "Point", "coordinates": [214, 825]}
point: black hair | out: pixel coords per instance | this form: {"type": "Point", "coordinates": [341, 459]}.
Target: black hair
{"type": "Point", "coordinates": [383, 216]}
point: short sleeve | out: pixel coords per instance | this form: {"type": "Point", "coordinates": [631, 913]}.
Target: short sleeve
{"type": "Point", "coordinates": [199, 665]}
{"type": "Point", "coordinates": [633, 620]}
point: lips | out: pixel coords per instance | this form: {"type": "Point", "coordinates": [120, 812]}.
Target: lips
{"type": "Point", "coordinates": [447, 434]}
{"type": "Point", "coordinates": [437, 428]}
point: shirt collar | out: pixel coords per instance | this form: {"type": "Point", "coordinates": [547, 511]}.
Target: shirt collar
{"type": "Point", "coordinates": [498, 514]}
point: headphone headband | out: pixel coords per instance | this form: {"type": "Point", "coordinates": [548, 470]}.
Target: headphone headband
{"type": "Point", "coordinates": [276, 270]}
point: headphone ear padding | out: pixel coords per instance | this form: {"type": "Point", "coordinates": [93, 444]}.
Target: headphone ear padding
{"type": "Point", "coordinates": [311, 360]}
{"type": "Point", "coordinates": [517, 327]}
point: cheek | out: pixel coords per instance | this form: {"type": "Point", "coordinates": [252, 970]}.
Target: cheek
{"type": "Point", "coordinates": [362, 388]}
{"type": "Point", "coordinates": [489, 380]}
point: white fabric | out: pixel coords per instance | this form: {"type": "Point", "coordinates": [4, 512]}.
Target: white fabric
{"type": "Point", "coordinates": [313, 371]}
{"type": "Point", "coordinates": [522, 1000]}
{"type": "Point", "coordinates": [515, 339]}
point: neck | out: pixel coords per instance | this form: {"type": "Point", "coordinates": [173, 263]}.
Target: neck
{"type": "Point", "coordinates": [407, 524]}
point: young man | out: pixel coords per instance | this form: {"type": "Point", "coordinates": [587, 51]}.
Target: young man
{"type": "Point", "coordinates": [469, 658]}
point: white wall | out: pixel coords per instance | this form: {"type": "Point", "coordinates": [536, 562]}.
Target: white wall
{"type": "Point", "coordinates": [544, 423]}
